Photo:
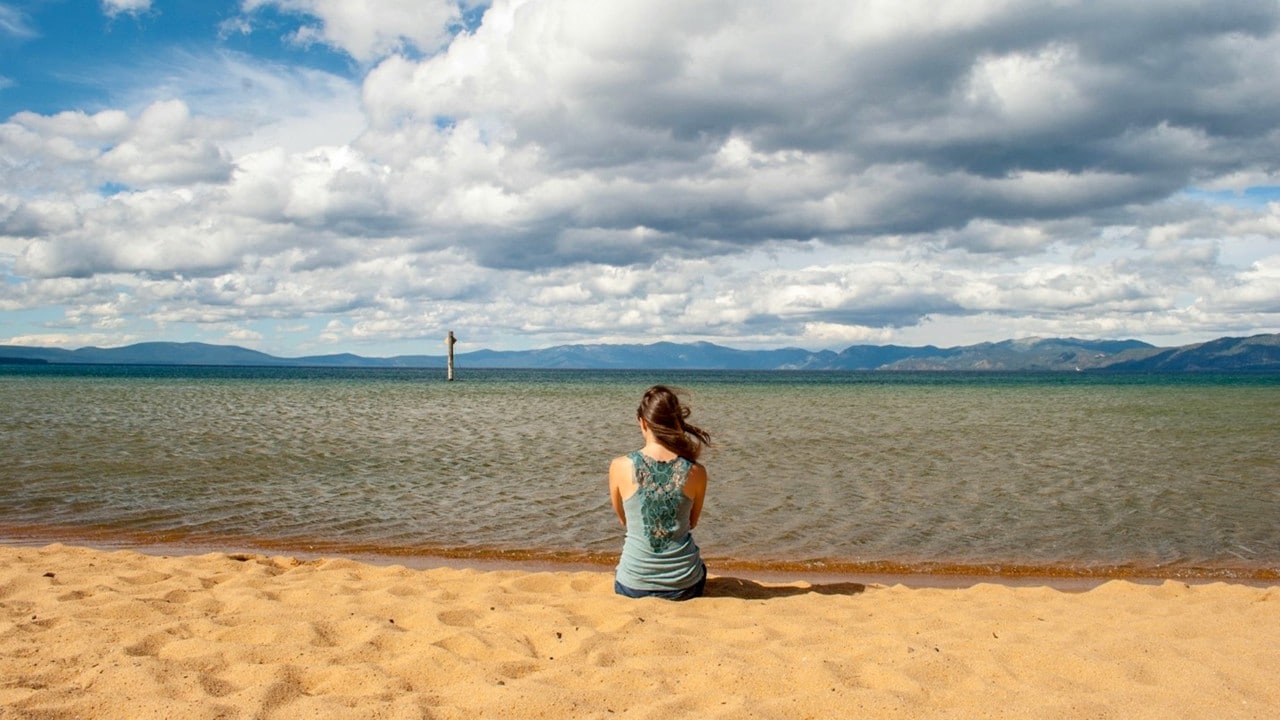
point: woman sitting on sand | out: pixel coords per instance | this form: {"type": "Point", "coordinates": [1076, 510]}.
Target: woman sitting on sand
{"type": "Point", "coordinates": [657, 492]}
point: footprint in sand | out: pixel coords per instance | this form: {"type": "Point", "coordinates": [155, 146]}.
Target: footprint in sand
{"type": "Point", "coordinates": [216, 686]}
{"type": "Point", "coordinates": [151, 644]}
{"type": "Point", "coordinates": [144, 578]}
{"type": "Point", "coordinates": [324, 635]}
{"type": "Point", "coordinates": [148, 646]}
{"type": "Point", "coordinates": [459, 618]}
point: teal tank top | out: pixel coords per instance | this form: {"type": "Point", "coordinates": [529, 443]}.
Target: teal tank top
{"type": "Point", "coordinates": [659, 552]}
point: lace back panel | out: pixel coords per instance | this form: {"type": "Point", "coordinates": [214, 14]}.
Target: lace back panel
{"type": "Point", "coordinates": [661, 488]}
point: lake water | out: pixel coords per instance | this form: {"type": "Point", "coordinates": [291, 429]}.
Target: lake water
{"type": "Point", "coordinates": [992, 474]}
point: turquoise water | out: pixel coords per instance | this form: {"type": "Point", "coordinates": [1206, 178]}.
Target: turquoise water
{"type": "Point", "coordinates": [1071, 474]}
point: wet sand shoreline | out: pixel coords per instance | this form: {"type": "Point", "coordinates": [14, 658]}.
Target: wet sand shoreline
{"type": "Point", "coordinates": [779, 571]}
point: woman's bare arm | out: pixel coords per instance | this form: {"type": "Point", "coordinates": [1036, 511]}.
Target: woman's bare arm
{"type": "Point", "coordinates": [620, 485]}
{"type": "Point", "coordinates": [696, 488]}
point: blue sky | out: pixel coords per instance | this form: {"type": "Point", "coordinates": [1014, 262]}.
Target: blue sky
{"type": "Point", "coordinates": [71, 54]}
{"type": "Point", "coordinates": [310, 176]}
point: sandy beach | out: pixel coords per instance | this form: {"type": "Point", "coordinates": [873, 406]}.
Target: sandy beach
{"type": "Point", "coordinates": [93, 634]}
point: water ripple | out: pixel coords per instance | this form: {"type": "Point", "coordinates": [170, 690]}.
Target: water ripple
{"type": "Point", "coordinates": [973, 473]}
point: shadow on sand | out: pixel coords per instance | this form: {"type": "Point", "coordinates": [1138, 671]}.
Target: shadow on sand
{"type": "Point", "coordinates": [752, 590]}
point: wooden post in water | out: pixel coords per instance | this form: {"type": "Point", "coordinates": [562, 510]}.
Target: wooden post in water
{"type": "Point", "coordinates": [449, 341]}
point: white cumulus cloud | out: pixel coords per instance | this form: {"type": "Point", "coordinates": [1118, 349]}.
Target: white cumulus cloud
{"type": "Point", "coordinates": [369, 30]}
{"type": "Point", "coordinates": [742, 171]}
{"type": "Point", "coordinates": [117, 7]}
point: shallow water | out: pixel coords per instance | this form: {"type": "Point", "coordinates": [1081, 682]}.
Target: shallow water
{"type": "Point", "coordinates": [1073, 474]}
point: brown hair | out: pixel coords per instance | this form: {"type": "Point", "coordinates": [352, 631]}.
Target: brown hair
{"type": "Point", "coordinates": [661, 410]}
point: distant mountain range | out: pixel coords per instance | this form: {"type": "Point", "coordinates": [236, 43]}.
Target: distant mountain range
{"type": "Point", "coordinates": [1259, 352]}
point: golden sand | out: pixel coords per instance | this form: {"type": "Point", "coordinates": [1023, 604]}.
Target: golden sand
{"type": "Point", "coordinates": [93, 634]}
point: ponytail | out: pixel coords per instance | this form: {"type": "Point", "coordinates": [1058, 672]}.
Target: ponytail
{"type": "Point", "coordinates": [667, 419]}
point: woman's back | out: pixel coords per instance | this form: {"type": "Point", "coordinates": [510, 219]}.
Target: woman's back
{"type": "Point", "coordinates": [659, 552]}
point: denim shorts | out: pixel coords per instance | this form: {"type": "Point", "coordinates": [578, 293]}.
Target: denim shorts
{"type": "Point", "coordinates": [689, 593]}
